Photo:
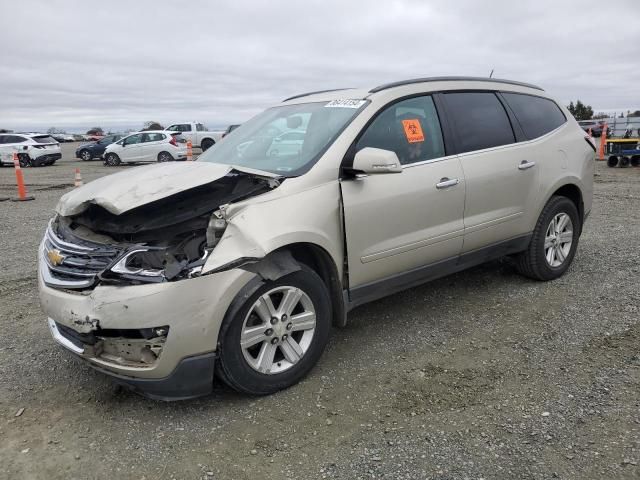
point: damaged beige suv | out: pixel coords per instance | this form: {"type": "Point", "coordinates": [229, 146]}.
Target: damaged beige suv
{"type": "Point", "coordinates": [236, 266]}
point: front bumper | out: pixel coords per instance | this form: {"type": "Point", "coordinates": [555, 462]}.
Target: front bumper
{"type": "Point", "coordinates": [192, 309]}
{"type": "Point", "coordinates": [192, 377]}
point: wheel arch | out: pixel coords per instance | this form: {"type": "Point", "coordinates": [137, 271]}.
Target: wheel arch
{"type": "Point", "coordinates": [321, 262]}
{"type": "Point", "coordinates": [573, 192]}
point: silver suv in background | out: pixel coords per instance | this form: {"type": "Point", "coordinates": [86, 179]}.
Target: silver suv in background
{"type": "Point", "coordinates": [236, 266]}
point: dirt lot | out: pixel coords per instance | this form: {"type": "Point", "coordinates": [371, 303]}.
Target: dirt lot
{"type": "Point", "coordinates": [483, 374]}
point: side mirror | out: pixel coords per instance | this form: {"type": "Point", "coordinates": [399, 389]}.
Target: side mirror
{"type": "Point", "coordinates": [372, 161]}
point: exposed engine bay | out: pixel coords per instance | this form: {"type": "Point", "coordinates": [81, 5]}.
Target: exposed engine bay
{"type": "Point", "coordinates": [164, 240]}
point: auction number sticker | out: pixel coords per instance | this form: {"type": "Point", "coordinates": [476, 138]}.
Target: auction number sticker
{"type": "Point", "coordinates": [345, 103]}
{"type": "Point", "coordinates": [413, 130]}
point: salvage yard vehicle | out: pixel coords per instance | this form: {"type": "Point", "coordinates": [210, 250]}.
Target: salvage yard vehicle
{"type": "Point", "coordinates": [237, 265]}
{"type": "Point", "coordinates": [34, 150]}
{"type": "Point", "coordinates": [197, 133]}
{"type": "Point", "coordinates": [89, 151]}
{"type": "Point", "coordinates": [143, 147]}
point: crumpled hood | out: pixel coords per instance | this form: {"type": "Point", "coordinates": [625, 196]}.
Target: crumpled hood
{"type": "Point", "coordinates": [138, 186]}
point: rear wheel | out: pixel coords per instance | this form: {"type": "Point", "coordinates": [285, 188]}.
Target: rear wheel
{"type": "Point", "coordinates": [271, 339]}
{"type": "Point", "coordinates": [612, 161]}
{"type": "Point", "coordinates": [635, 161]}
{"type": "Point", "coordinates": [206, 144]}
{"type": "Point", "coordinates": [554, 241]}
{"type": "Point", "coordinates": [85, 155]}
{"type": "Point", "coordinates": [112, 160]}
{"type": "Point", "coordinates": [164, 157]}
{"type": "Point", "coordinates": [24, 160]}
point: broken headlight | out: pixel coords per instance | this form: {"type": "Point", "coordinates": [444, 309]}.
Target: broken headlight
{"type": "Point", "coordinates": [143, 263]}
{"type": "Point", "coordinates": [159, 264]}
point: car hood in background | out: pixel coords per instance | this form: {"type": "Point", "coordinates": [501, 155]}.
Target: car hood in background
{"type": "Point", "coordinates": [126, 190]}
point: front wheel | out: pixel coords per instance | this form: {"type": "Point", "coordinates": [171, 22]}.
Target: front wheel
{"type": "Point", "coordinates": [554, 241]}
{"type": "Point", "coordinates": [112, 160]}
{"type": "Point", "coordinates": [85, 155]}
{"type": "Point", "coordinates": [271, 340]}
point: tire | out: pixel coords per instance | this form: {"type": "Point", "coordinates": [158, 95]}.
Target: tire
{"type": "Point", "coordinates": [534, 262]}
{"type": "Point", "coordinates": [635, 161]}
{"type": "Point", "coordinates": [85, 155]}
{"type": "Point", "coordinates": [25, 160]}
{"type": "Point", "coordinates": [287, 369]}
{"type": "Point", "coordinates": [164, 157]}
{"type": "Point", "coordinates": [206, 144]}
{"type": "Point", "coordinates": [624, 162]}
{"type": "Point", "coordinates": [112, 160]}
{"type": "Point", "coordinates": [612, 161]}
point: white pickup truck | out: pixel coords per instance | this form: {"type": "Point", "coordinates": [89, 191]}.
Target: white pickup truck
{"type": "Point", "coordinates": [197, 133]}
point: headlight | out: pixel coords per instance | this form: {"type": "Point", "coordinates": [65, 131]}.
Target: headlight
{"type": "Point", "coordinates": [143, 263]}
{"type": "Point", "coordinates": [160, 264]}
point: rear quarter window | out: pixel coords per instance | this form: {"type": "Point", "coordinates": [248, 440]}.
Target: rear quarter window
{"type": "Point", "coordinates": [479, 119]}
{"type": "Point", "coordinates": [537, 116]}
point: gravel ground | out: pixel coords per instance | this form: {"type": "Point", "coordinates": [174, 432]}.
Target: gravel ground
{"type": "Point", "coordinates": [483, 374]}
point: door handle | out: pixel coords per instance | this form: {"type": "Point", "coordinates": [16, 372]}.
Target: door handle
{"type": "Point", "coordinates": [525, 164]}
{"type": "Point", "coordinates": [447, 182]}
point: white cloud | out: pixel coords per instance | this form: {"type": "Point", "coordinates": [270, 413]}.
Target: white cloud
{"type": "Point", "coordinates": [117, 64]}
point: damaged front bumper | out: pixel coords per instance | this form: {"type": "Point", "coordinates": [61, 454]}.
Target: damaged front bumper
{"type": "Point", "coordinates": [158, 339]}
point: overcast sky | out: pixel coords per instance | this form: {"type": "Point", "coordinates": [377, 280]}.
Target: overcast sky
{"type": "Point", "coordinates": [116, 64]}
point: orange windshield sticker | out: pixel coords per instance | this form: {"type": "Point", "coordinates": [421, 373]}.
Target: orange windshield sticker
{"type": "Point", "coordinates": [413, 130]}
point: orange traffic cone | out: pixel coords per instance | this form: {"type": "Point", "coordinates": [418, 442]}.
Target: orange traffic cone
{"type": "Point", "coordinates": [78, 179]}
{"type": "Point", "coordinates": [603, 142]}
{"type": "Point", "coordinates": [189, 151]}
{"type": "Point", "coordinates": [22, 190]}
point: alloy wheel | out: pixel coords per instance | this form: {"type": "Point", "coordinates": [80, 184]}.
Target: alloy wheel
{"type": "Point", "coordinates": [278, 330]}
{"type": "Point", "coordinates": [558, 240]}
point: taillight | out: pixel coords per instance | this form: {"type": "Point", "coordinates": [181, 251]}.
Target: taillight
{"type": "Point", "coordinates": [173, 141]}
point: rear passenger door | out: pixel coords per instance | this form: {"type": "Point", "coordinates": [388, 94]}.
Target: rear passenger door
{"type": "Point", "coordinates": [152, 144]}
{"type": "Point", "coordinates": [501, 175]}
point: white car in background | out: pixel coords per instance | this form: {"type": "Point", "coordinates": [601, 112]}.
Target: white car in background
{"type": "Point", "coordinates": [34, 150]}
{"type": "Point", "coordinates": [149, 146]}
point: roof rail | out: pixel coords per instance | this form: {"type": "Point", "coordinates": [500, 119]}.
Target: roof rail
{"type": "Point", "coordinates": [313, 93]}
{"type": "Point", "coordinates": [449, 79]}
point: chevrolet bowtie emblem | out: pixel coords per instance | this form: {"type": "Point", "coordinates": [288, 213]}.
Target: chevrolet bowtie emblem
{"type": "Point", "coordinates": [55, 257]}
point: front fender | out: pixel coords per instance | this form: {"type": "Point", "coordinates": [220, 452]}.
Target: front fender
{"type": "Point", "coordinates": [255, 230]}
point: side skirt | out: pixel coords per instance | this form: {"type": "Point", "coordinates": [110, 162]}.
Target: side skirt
{"type": "Point", "coordinates": [396, 283]}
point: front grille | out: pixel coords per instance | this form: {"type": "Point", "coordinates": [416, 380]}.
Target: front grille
{"type": "Point", "coordinates": [71, 263]}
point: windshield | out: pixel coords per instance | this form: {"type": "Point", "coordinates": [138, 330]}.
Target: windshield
{"type": "Point", "coordinates": [285, 140]}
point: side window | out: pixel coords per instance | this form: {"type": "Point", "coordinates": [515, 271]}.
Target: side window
{"type": "Point", "coordinates": [133, 139]}
{"type": "Point", "coordinates": [186, 127]}
{"type": "Point", "coordinates": [200, 127]}
{"type": "Point", "coordinates": [479, 119]}
{"type": "Point", "coordinates": [174, 128]}
{"type": "Point", "coordinates": [410, 128]}
{"type": "Point", "coordinates": [2, 139]}
{"type": "Point", "coordinates": [536, 115]}
{"type": "Point", "coordinates": [152, 137]}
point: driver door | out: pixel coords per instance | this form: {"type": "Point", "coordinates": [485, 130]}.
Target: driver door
{"type": "Point", "coordinates": [397, 223]}
{"type": "Point", "coordinates": [131, 149]}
